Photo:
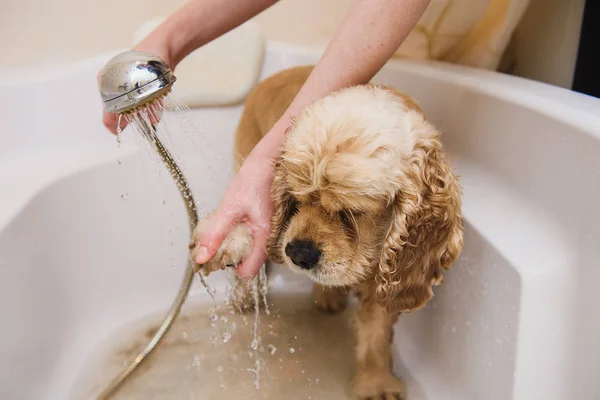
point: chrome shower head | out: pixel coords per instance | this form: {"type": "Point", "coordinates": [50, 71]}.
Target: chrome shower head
{"type": "Point", "coordinates": [132, 79]}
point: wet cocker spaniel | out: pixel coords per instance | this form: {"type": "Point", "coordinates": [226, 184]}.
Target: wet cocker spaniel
{"type": "Point", "coordinates": [365, 203]}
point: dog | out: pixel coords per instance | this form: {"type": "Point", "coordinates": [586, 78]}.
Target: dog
{"type": "Point", "coordinates": [365, 202]}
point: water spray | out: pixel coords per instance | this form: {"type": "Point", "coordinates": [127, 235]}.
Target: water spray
{"type": "Point", "coordinates": [130, 83]}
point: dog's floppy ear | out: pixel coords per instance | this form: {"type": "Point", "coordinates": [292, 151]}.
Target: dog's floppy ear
{"type": "Point", "coordinates": [284, 205]}
{"type": "Point", "coordinates": [425, 233]}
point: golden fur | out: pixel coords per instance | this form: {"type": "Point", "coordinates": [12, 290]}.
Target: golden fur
{"type": "Point", "coordinates": [362, 186]}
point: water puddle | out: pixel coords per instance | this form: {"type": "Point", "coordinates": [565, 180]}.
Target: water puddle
{"type": "Point", "coordinates": [301, 353]}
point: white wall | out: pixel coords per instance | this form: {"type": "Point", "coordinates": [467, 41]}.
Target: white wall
{"type": "Point", "coordinates": [43, 32]}
{"type": "Point", "coordinates": [546, 42]}
{"type": "Point", "coordinates": [54, 32]}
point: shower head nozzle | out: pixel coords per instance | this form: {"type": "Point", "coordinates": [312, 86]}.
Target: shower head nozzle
{"type": "Point", "coordinates": [132, 79]}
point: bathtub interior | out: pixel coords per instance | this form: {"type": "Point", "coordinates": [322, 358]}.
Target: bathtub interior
{"type": "Point", "coordinates": [91, 237]}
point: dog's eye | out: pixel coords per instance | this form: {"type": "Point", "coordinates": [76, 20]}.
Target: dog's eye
{"type": "Point", "coordinates": [347, 218]}
{"type": "Point", "coordinates": [294, 206]}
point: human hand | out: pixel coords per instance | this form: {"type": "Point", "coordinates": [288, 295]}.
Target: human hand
{"type": "Point", "coordinates": [247, 200]}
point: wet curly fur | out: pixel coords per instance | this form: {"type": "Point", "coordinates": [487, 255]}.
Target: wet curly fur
{"type": "Point", "coordinates": [364, 192]}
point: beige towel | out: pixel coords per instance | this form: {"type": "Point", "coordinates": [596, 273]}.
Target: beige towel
{"type": "Point", "coordinates": [467, 32]}
{"type": "Point", "coordinates": [220, 73]}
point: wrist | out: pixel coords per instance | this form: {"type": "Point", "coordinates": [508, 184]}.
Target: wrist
{"type": "Point", "coordinates": [158, 42]}
{"type": "Point", "coordinates": [197, 23]}
{"type": "Point", "coordinates": [270, 145]}
{"type": "Point", "coordinates": [173, 39]}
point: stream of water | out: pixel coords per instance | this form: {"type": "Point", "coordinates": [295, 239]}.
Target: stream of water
{"type": "Point", "coordinates": [165, 129]}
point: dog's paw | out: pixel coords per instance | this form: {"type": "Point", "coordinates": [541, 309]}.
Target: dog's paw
{"type": "Point", "coordinates": [379, 387]}
{"type": "Point", "coordinates": [233, 250]}
{"type": "Point", "coordinates": [330, 300]}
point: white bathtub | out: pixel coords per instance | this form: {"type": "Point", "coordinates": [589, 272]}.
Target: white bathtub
{"type": "Point", "coordinates": [86, 243]}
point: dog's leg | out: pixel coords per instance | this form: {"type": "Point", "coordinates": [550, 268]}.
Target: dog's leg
{"type": "Point", "coordinates": [330, 299]}
{"type": "Point", "coordinates": [374, 378]}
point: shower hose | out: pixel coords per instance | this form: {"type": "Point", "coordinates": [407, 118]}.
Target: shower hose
{"type": "Point", "coordinates": [149, 131]}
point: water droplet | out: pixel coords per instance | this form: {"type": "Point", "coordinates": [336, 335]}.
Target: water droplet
{"type": "Point", "coordinates": [292, 350]}
{"type": "Point", "coordinates": [226, 337]}
{"type": "Point", "coordinates": [219, 369]}
{"type": "Point", "coordinates": [196, 362]}
{"type": "Point", "coordinates": [272, 349]}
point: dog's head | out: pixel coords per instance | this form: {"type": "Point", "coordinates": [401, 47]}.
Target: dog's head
{"type": "Point", "coordinates": [363, 196]}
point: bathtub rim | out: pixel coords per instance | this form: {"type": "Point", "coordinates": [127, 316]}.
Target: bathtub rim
{"type": "Point", "coordinates": [580, 111]}
{"type": "Point", "coordinates": [553, 101]}
{"type": "Point", "coordinates": [107, 155]}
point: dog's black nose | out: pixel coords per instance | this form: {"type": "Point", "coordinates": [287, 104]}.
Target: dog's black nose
{"type": "Point", "coordinates": [303, 253]}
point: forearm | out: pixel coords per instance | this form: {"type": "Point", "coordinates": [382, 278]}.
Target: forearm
{"type": "Point", "coordinates": [367, 38]}
{"type": "Point", "coordinates": [198, 23]}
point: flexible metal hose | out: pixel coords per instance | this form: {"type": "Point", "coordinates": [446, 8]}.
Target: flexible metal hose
{"type": "Point", "coordinates": [150, 134]}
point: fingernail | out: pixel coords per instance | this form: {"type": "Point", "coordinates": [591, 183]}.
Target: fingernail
{"type": "Point", "coordinates": [201, 255]}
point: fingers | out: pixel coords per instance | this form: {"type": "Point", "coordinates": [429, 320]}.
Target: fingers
{"type": "Point", "coordinates": [218, 228]}
{"type": "Point", "coordinates": [110, 122]}
{"type": "Point", "coordinates": [155, 111]}
{"type": "Point", "coordinates": [153, 115]}
{"type": "Point", "coordinates": [251, 265]}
